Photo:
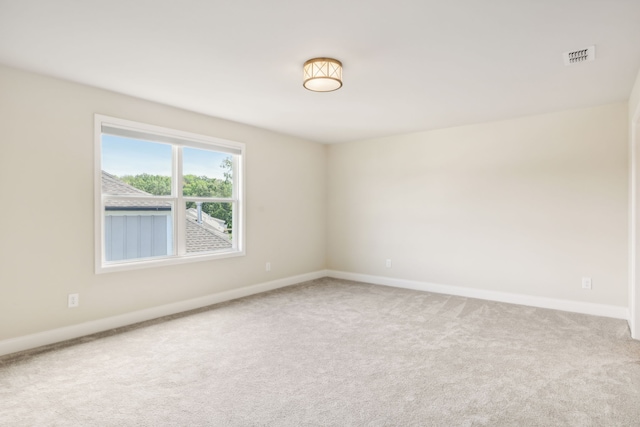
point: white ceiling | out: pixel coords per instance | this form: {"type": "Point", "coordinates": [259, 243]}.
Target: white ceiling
{"type": "Point", "coordinates": [409, 65]}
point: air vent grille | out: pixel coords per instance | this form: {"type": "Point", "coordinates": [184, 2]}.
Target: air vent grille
{"type": "Point", "coordinates": [580, 55]}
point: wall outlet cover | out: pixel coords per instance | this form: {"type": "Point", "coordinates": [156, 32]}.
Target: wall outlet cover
{"type": "Point", "coordinates": [73, 300]}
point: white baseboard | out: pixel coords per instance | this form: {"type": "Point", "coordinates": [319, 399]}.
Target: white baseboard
{"type": "Point", "coordinates": [39, 339]}
{"type": "Point", "coordinates": [613, 311]}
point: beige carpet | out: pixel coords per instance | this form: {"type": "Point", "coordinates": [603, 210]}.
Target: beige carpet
{"type": "Point", "coordinates": [336, 353]}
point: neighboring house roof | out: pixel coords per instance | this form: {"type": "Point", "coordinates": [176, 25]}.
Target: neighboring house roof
{"type": "Point", "coordinates": [210, 235]}
{"type": "Point", "coordinates": [213, 223]}
{"type": "Point", "coordinates": [112, 185]}
{"type": "Point", "coordinates": [201, 239]}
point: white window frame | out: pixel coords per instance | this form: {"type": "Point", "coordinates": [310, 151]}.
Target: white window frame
{"type": "Point", "coordinates": [177, 139]}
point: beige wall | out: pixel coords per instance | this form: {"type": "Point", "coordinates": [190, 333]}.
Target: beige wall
{"type": "Point", "coordinates": [634, 98]}
{"type": "Point", "coordinates": [526, 206]}
{"type": "Point", "coordinates": [46, 226]}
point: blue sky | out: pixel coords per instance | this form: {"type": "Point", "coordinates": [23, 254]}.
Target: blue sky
{"type": "Point", "coordinates": [126, 156]}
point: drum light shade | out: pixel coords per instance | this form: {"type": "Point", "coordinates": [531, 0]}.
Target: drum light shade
{"type": "Point", "coordinates": [322, 74]}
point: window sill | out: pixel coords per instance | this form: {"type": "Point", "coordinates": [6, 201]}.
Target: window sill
{"type": "Point", "coordinates": [165, 261]}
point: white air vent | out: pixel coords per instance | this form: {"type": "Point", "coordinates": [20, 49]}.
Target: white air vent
{"type": "Point", "coordinates": [580, 55]}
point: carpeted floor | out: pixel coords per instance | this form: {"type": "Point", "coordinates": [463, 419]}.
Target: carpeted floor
{"type": "Point", "coordinates": [336, 353]}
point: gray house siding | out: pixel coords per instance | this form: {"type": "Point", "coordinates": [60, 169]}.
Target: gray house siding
{"type": "Point", "coordinates": [137, 236]}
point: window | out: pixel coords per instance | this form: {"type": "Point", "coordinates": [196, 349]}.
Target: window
{"type": "Point", "coordinates": [165, 196]}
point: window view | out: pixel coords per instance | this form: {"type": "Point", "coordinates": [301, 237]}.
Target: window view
{"type": "Point", "coordinates": [165, 196]}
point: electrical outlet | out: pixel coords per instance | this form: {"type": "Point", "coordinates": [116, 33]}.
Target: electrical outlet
{"type": "Point", "coordinates": [586, 283]}
{"type": "Point", "coordinates": [267, 266]}
{"type": "Point", "coordinates": [388, 263]}
{"type": "Point", "coordinates": [73, 300]}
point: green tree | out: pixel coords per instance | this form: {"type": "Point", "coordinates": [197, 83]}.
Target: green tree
{"type": "Point", "coordinates": [157, 185]}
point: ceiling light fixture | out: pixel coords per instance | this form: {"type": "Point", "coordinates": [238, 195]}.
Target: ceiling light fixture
{"type": "Point", "coordinates": [322, 74]}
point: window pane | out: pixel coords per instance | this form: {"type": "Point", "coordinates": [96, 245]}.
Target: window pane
{"type": "Point", "coordinates": [208, 226]}
{"type": "Point", "coordinates": [207, 173]}
{"type": "Point", "coordinates": [134, 232]}
{"type": "Point", "coordinates": [132, 166]}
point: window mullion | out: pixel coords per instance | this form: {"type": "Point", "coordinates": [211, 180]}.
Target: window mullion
{"type": "Point", "coordinates": [208, 199]}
